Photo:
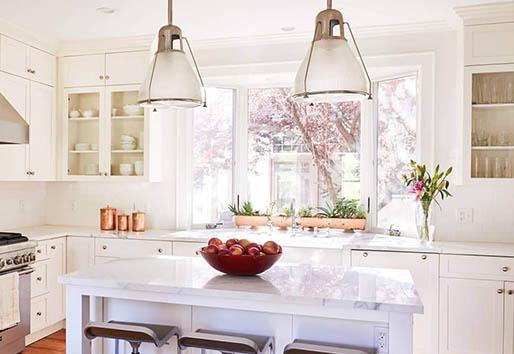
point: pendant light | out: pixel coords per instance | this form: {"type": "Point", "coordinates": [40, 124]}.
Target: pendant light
{"type": "Point", "coordinates": [171, 80]}
{"type": "Point", "coordinates": [330, 72]}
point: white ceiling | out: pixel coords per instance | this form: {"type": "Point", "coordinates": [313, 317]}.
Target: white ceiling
{"type": "Point", "coordinates": [207, 19]}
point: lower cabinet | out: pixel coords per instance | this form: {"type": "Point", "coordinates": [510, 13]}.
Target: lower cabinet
{"type": "Point", "coordinates": [47, 303]}
{"type": "Point", "coordinates": [424, 269]}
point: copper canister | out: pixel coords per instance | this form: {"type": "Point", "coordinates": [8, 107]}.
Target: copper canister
{"type": "Point", "coordinates": [138, 221]}
{"type": "Point", "coordinates": [123, 222]}
{"type": "Point", "coordinates": [107, 218]}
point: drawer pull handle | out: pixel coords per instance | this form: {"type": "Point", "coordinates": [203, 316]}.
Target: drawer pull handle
{"type": "Point", "coordinates": [365, 254]}
{"type": "Point", "coordinates": [499, 291]}
{"type": "Point", "coordinates": [39, 278]}
{"type": "Point", "coordinates": [104, 247]}
{"type": "Point", "coordinates": [423, 257]}
{"type": "Point", "coordinates": [38, 313]}
{"type": "Point", "coordinates": [160, 250]}
{"type": "Point", "coordinates": [510, 292]}
{"type": "Point", "coordinates": [505, 269]}
{"type": "Point", "coordinates": [101, 77]}
{"type": "Point", "coordinates": [52, 247]}
{"type": "Point", "coordinates": [39, 251]}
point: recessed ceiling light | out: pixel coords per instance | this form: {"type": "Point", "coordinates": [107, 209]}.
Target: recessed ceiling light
{"type": "Point", "coordinates": [288, 28]}
{"type": "Point", "coordinates": [105, 10]}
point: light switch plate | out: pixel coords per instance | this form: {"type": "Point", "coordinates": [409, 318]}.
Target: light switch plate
{"type": "Point", "coordinates": [465, 216]}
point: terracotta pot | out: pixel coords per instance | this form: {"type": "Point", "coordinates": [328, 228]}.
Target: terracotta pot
{"type": "Point", "coordinates": [282, 222]}
{"type": "Point", "coordinates": [252, 221]}
{"type": "Point", "coordinates": [333, 223]}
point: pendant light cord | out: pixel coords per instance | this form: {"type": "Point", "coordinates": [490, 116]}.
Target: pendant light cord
{"type": "Point", "coordinates": [170, 12]}
{"type": "Point", "coordinates": [329, 4]}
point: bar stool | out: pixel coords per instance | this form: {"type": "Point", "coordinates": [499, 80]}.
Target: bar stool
{"type": "Point", "coordinates": [226, 342]}
{"type": "Point", "coordinates": [308, 347]}
{"type": "Point", "coordinates": [134, 333]}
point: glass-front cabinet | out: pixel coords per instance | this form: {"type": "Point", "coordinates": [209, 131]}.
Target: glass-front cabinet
{"type": "Point", "coordinates": [109, 136]}
{"type": "Point", "coordinates": [489, 123]}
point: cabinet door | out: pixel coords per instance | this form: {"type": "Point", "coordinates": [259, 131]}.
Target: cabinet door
{"type": "Point", "coordinates": [13, 157]}
{"type": "Point", "coordinates": [42, 132]}
{"type": "Point", "coordinates": [424, 269]}
{"type": "Point", "coordinates": [508, 330]}
{"type": "Point", "coordinates": [80, 253]}
{"type": "Point", "coordinates": [14, 57]}
{"type": "Point", "coordinates": [471, 316]}
{"type": "Point", "coordinates": [84, 70]}
{"type": "Point", "coordinates": [56, 268]}
{"type": "Point", "coordinates": [42, 66]}
{"type": "Point", "coordinates": [126, 68]}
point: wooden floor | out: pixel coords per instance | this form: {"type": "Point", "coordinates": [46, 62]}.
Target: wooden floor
{"type": "Point", "coordinates": [53, 344]}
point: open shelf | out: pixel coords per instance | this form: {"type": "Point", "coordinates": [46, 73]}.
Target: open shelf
{"type": "Point", "coordinates": [127, 117]}
{"type": "Point", "coordinates": [83, 151]}
{"type": "Point", "coordinates": [139, 151]}
{"type": "Point", "coordinates": [83, 119]}
{"type": "Point", "coordinates": [493, 105]}
{"type": "Point", "coordinates": [486, 148]}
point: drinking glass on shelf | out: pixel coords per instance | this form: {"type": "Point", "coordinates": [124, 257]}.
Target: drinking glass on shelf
{"type": "Point", "coordinates": [474, 139]}
{"type": "Point", "coordinates": [483, 138]}
{"type": "Point", "coordinates": [508, 169]}
{"type": "Point", "coordinates": [488, 167]}
{"type": "Point", "coordinates": [500, 84]}
{"type": "Point", "coordinates": [476, 171]}
{"type": "Point", "coordinates": [485, 90]}
{"type": "Point", "coordinates": [503, 138]}
{"type": "Point", "coordinates": [510, 90]}
{"type": "Point", "coordinates": [499, 164]}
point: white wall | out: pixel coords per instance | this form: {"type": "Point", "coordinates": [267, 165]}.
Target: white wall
{"type": "Point", "coordinates": [22, 204]}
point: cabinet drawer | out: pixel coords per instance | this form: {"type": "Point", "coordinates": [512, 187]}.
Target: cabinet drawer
{"type": "Point", "coordinates": [39, 280]}
{"type": "Point", "coordinates": [186, 249]}
{"type": "Point", "coordinates": [38, 313]}
{"type": "Point", "coordinates": [41, 252]}
{"type": "Point", "coordinates": [477, 267]}
{"type": "Point", "coordinates": [131, 248]}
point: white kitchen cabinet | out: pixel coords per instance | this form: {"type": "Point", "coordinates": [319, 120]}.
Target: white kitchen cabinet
{"type": "Point", "coordinates": [38, 313]}
{"type": "Point", "coordinates": [83, 70]}
{"type": "Point", "coordinates": [16, 90]}
{"type": "Point", "coordinates": [101, 131]}
{"type": "Point", "coordinates": [508, 330]}
{"type": "Point", "coordinates": [489, 44]}
{"type": "Point", "coordinates": [186, 249]}
{"type": "Point", "coordinates": [14, 57]}
{"type": "Point", "coordinates": [471, 316]}
{"type": "Point", "coordinates": [424, 269]}
{"type": "Point", "coordinates": [80, 253]}
{"type": "Point", "coordinates": [42, 66]}
{"type": "Point", "coordinates": [41, 161]}
{"type": "Point", "coordinates": [126, 68]}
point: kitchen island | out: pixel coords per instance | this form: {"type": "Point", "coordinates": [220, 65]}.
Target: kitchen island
{"type": "Point", "coordinates": [350, 306]}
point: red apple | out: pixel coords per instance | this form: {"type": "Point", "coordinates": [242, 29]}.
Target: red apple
{"type": "Point", "coordinates": [253, 251]}
{"type": "Point", "coordinates": [231, 242]}
{"type": "Point", "coordinates": [262, 254]}
{"type": "Point", "coordinates": [245, 243]}
{"type": "Point", "coordinates": [270, 247]}
{"type": "Point", "coordinates": [211, 249]}
{"type": "Point", "coordinates": [223, 252]}
{"type": "Point", "coordinates": [222, 247]}
{"type": "Point", "coordinates": [279, 249]}
{"type": "Point", "coordinates": [236, 250]}
{"type": "Point", "coordinates": [215, 241]}
{"type": "Point", "coordinates": [253, 244]}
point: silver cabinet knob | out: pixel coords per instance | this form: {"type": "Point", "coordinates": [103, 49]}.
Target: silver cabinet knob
{"type": "Point", "coordinates": [510, 292]}
{"type": "Point", "coordinates": [52, 247]}
{"type": "Point", "coordinates": [39, 279]}
{"type": "Point", "coordinates": [101, 77]}
{"type": "Point", "coordinates": [39, 251]}
{"type": "Point", "coordinates": [505, 269]}
{"type": "Point", "coordinates": [499, 291]}
{"type": "Point", "coordinates": [423, 257]}
{"type": "Point", "coordinates": [107, 77]}
{"type": "Point", "coordinates": [160, 250]}
{"type": "Point", "coordinates": [365, 254]}
{"type": "Point", "coordinates": [38, 313]}
{"type": "Point", "coordinates": [104, 247]}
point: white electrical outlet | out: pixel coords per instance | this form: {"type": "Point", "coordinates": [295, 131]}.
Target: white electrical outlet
{"type": "Point", "coordinates": [74, 206]}
{"type": "Point", "coordinates": [465, 216]}
{"type": "Point", "coordinates": [382, 340]}
{"type": "Point", "coordinates": [22, 206]}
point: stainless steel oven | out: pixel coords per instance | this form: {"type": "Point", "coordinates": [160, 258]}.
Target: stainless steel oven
{"type": "Point", "coordinates": [12, 340]}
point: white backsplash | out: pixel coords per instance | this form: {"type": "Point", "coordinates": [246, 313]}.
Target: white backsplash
{"type": "Point", "coordinates": [22, 204]}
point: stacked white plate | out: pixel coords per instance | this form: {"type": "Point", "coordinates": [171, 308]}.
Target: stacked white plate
{"type": "Point", "coordinates": [128, 142]}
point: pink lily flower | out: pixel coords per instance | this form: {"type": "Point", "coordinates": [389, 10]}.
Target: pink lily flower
{"type": "Point", "coordinates": [417, 190]}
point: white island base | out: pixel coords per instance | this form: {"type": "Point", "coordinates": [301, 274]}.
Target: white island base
{"type": "Point", "coordinates": [321, 303]}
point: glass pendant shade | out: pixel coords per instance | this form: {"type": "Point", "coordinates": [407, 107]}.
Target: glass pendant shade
{"type": "Point", "coordinates": [334, 73]}
{"type": "Point", "coordinates": [331, 72]}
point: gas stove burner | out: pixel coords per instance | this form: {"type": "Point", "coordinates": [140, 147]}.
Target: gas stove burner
{"type": "Point", "coordinates": [10, 238]}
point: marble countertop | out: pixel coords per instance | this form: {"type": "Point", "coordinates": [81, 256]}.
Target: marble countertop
{"type": "Point", "coordinates": [333, 240]}
{"type": "Point", "coordinates": [356, 288]}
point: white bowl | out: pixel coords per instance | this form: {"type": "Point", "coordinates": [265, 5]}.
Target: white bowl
{"type": "Point", "coordinates": [74, 114]}
{"type": "Point", "coordinates": [133, 110]}
{"type": "Point", "coordinates": [128, 147]}
{"type": "Point", "coordinates": [126, 169]}
{"type": "Point", "coordinates": [88, 113]}
{"type": "Point", "coordinates": [127, 138]}
{"type": "Point", "coordinates": [82, 146]}
{"type": "Point", "coordinates": [139, 167]}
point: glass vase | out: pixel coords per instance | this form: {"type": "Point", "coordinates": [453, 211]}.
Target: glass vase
{"type": "Point", "coordinates": [424, 221]}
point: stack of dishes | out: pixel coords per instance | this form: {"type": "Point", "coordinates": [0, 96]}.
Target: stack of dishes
{"type": "Point", "coordinates": [128, 142]}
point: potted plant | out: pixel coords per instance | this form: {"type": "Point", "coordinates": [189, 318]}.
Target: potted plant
{"type": "Point", "coordinates": [346, 214]}
{"type": "Point", "coordinates": [283, 220]}
{"type": "Point", "coordinates": [247, 215]}
{"type": "Point", "coordinates": [307, 219]}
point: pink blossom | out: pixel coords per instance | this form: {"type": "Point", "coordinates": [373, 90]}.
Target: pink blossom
{"type": "Point", "coordinates": [417, 190]}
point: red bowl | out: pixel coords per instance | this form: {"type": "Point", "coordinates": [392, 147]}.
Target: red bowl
{"type": "Point", "coordinates": [240, 265]}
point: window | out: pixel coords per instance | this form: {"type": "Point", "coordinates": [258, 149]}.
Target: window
{"type": "Point", "coordinates": [301, 152]}
{"type": "Point", "coordinates": [213, 157]}
{"type": "Point", "coordinates": [396, 128]}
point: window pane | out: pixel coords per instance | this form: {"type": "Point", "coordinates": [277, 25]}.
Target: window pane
{"type": "Point", "coordinates": [396, 147]}
{"type": "Point", "coordinates": [212, 157]}
{"type": "Point", "coordinates": [310, 153]}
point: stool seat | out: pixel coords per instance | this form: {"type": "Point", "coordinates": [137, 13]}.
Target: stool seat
{"type": "Point", "coordinates": [131, 332]}
{"type": "Point", "coordinates": [226, 342]}
{"type": "Point", "coordinates": [309, 347]}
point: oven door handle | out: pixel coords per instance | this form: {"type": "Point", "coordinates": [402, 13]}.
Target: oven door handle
{"type": "Point", "coordinates": [26, 271]}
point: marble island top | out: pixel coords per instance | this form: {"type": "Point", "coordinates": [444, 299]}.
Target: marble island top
{"type": "Point", "coordinates": [376, 289]}
{"type": "Point", "coordinates": [335, 239]}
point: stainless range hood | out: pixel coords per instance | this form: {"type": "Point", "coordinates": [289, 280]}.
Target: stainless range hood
{"type": "Point", "coordinates": [13, 128]}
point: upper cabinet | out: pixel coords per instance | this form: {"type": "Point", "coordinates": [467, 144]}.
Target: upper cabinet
{"type": "Point", "coordinates": [103, 69]}
{"type": "Point", "coordinates": [22, 60]}
{"type": "Point", "coordinates": [489, 44]}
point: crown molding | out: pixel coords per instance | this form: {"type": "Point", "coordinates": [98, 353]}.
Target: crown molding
{"type": "Point", "coordinates": [143, 42]}
{"type": "Point", "coordinates": [19, 34]}
{"type": "Point", "coordinates": [486, 14]}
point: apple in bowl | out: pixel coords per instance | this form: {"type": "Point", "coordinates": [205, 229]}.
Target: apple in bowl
{"type": "Point", "coordinates": [241, 257]}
